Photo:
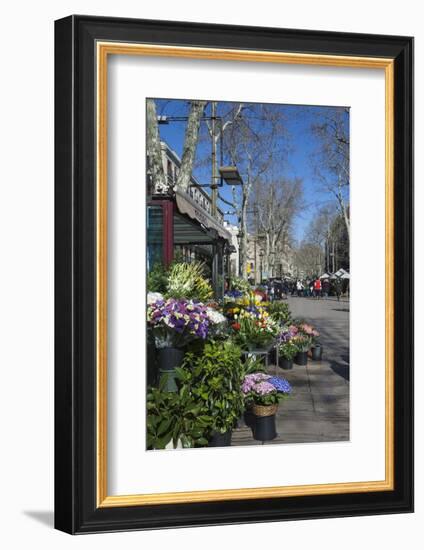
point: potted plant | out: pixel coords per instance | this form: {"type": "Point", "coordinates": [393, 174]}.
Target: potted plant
{"type": "Point", "coordinates": [175, 419]}
{"type": "Point", "coordinates": [213, 377]}
{"type": "Point", "coordinates": [263, 393]}
{"type": "Point", "coordinates": [287, 351]}
{"type": "Point", "coordinates": [187, 281]}
{"type": "Point", "coordinates": [316, 347]}
{"type": "Point", "coordinates": [303, 344]}
{"type": "Point", "coordinates": [279, 312]}
{"type": "Point", "coordinates": [254, 330]}
{"type": "Point", "coordinates": [176, 323]}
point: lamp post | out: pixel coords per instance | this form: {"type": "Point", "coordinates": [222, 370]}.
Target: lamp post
{"type": "Point", "coordinates": [261, 255]}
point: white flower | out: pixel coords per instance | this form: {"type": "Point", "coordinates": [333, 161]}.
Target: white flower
{"type": "Point", "coordinates": [215, 317]}
{"type": "Point", "coordinates": [153, 297]}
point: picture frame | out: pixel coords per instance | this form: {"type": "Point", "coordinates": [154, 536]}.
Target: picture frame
{"type": "Point", "coordinates": [82, 47]}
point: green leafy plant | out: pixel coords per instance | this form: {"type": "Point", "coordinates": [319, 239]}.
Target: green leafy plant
{"type": "Point", "coordinates": [253, 364]}
{"type": "Point", "coordinates": [186, 280]}
{"type": "Point", "coordinates": [157, 279]}
{"type": "Point", "coordinates": [176, 417]}
{"type": "Point", "coordinates": [252, 331]}
{"type": "Point", "coordinates": [279, 312]}
{"type": "Point", "coordinates": [288, 350]}
{"type": "Point", "coordinates": [302, 342]}
{"type": "Point", "coordinates": [213, 377]}
{"type": "Point", "coordinates": [237, 283]}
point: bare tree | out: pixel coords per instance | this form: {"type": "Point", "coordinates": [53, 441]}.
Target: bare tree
{"type": "Point", "coordinates": [253, 143]}
{"type": "Point", "coordinates": [154, 152]}
{"type": "Point", "coordinates": [308, 259]}
{"type": "Point", "coordinates": [331, 160]}
{"type": "Point", "coordinates": [276, 204]}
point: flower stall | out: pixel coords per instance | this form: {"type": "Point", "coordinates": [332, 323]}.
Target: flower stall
{"type": "Point", "coordinates": [206, 356]}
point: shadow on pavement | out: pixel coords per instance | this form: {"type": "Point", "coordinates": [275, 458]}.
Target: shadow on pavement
{"type": "Point", "coordinates": [341, 370]}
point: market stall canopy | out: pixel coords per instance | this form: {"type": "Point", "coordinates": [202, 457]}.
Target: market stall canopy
{"type": "Point", "coordinates": [342, 274]}
{"type": "Point", "coordinates": [325, 276]}
{"type": "Point", "coordinates": [186, 205]}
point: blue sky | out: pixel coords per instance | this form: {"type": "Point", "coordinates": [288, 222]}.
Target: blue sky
{"type": "Point", "coordinates": [298, 139]}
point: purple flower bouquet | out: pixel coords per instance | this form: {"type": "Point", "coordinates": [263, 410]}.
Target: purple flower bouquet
{"type": "Point", "coordinates": [175, 323]}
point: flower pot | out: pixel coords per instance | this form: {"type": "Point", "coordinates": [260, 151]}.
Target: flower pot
{"type": "Point", "coordinates": [220, 440]}
{"type": "Point", "coordinates": [301, 358]}
{"type": "Point", "coordinates": [264, 426]}
{"type": "Point", "coordinates": [286, 364]}
{"type": "Point", "coordinates": [249, 418]}
{"type": "Point", "coordinates": [169, 358]}
{"type": "Point", "coordinates": [316, 353]}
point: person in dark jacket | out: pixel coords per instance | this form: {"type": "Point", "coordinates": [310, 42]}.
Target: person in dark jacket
{"type": "Point", "coordinates": [325, 288]}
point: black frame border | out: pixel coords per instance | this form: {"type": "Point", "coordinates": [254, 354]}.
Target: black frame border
{"type": "Point", "coordinates": [75, 274]}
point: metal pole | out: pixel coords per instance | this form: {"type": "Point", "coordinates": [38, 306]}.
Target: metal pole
{"type": "Point", "coordinates": [214, 188]}
{"type": "Point", "coordinates": [254, 246]}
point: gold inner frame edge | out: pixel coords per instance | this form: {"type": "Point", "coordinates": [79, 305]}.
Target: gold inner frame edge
{"type": "Point", "coordinates": [103, 49]}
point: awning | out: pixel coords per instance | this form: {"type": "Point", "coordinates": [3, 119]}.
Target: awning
{"type": "Point", "coordinates": [186, 205]}
{"type": "Point", "coordinates": [342, 274]}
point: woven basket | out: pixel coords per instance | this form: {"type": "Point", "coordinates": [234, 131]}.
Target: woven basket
{"type": "Point", "coordinates": [265, 410]}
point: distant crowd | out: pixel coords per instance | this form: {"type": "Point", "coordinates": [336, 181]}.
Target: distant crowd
{"type": "Point", "coordinates": [279, 289]}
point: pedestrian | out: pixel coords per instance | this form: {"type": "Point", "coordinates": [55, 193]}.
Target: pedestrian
{"type": "Point", "coordinates": [325, 288]}
{"type": "Point", "coordinates": [299, 287]}
{"type": "Point", "coordinates": [317, 288]}
{"type": "Point", "coordinates": [338, 287]}
{"type": "Point", "coordinates": [271, 291]}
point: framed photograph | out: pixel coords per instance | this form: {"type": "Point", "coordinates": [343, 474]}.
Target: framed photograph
{"type": "Point", "coordinates": [233, 265]}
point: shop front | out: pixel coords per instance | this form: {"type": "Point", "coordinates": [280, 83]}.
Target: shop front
{"type": "Point", "coordinates": [178, 228]}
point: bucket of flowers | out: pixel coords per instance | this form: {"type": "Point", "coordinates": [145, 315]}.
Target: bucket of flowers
{"type": "Point", "coordinates": [302, 341]}
{"type": "Point", "coordinates": [254, 329]}
{"type": "Point", "coordinates": [316, 347]}
{"type": "Point", "coordinates": [262, 393]}
{"type": "Point", "coordinates": [287, 348]}
{"type": "Point", "coordinates": [175, 323]}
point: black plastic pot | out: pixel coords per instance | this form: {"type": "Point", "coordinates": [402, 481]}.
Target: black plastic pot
{"type": "Point", "coordinates": [316, 353]}
{"type": "Point", "coordinates": [301, 358]}
{"type": "Point", "coordinates": [220, 440]}
{"type": "Point", "coordinates": [264, 428]}
{"type": "Point", "coordinates": [169, 358]}
{"type": "Point", "coordinates": [249, 418]}
{"type": "Point", "coordinates": [286, 364]}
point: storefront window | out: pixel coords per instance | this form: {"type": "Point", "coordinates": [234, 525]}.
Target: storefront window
{"type": "Point", "coordinates": [154, 236]}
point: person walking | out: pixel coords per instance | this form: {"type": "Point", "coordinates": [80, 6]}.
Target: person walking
{"type": "Point", "coordinates": [338, 287]}
{"type": "Point", "coordinates": [299, 287]}
{"type": "Point", "coordinates": [325, 288]}
{"type": "Point", "coordinates": [317, 288]}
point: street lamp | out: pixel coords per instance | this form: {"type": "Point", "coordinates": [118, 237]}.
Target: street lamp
{"type": "Point", "coordinates": [261, 255]}
{"type": "Point", "coordinates": [230, 175]}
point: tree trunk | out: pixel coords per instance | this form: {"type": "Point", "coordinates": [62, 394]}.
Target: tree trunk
{"type": "Point", "coordinates": [346, 220]}
{"type": "Point", "coordinates": [243, 239]}
{"type": "Point", "coordinates": [190, 144]}
{"type": "Point", "coordinates": [154, 151]}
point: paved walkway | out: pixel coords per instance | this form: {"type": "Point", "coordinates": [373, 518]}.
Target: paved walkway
{"type": "Point", "coordinates": [318, 409]}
